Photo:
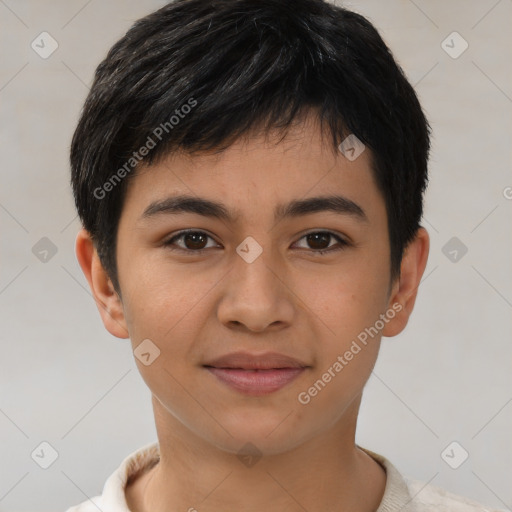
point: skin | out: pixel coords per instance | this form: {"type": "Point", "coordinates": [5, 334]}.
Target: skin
{"type": "Point", "coordinates": [289, 300]}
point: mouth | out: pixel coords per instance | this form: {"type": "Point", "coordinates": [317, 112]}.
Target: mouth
{"type": "Point", "coordinates": [256, 375]}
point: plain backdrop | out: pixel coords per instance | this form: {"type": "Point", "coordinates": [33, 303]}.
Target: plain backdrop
{"type": "Point", "coordinates": [447, 378]}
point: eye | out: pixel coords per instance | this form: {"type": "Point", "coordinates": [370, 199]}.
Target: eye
{"type": "Point", "coordinates": [319, 241]}
{"type": "Point", "coordinates": [194, 241]}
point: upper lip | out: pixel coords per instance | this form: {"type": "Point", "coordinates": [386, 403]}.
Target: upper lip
{"type": "Point", "coordinates": [248, 361]}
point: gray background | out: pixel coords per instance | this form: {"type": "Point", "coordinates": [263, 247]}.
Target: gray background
{"type": "Point", "coordinates": [65, 380]}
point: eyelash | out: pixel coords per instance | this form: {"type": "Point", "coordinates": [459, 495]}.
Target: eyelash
{"type": "Point", "coordinates": [342, 243]}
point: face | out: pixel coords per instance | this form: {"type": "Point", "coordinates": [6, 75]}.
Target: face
{"type": "Point", "coordinates": [255, 282]}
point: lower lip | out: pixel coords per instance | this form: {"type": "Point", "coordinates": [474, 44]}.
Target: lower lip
{"type": "Point", "coordinates": [256, 382]}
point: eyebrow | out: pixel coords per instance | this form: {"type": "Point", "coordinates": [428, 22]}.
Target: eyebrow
{"type": "Point", "coordinates": [213, 209]}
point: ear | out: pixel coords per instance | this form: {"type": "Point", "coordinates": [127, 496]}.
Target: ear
{"type": "Point", "coordinates": [404, 290]}
{"type": "Point", "coordinates": [107, 300]}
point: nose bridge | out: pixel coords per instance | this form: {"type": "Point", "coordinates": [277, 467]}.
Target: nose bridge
{"type": "Point", "coordinates": [256, 294]}
{"type": "Point", "coordinates": [252, 273]}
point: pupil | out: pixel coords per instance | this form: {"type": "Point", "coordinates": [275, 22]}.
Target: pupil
{"type": "Point", "coordinates": [313, 238]}
{"type": "Point", "coordinates": [196, 243]}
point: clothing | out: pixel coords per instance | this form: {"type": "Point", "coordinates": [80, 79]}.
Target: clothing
{"type": "Point", "coordinates": [401, 494]}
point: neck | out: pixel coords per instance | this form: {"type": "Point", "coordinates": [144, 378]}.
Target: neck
{"type": "Point", "coordinates": [327, 472]}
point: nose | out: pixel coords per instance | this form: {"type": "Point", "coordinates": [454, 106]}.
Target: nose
{"type": "Point", "coordinates": [256, 296]}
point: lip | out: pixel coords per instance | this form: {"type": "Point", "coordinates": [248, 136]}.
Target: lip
{"type": "Point", "coordinates": [263, 361]}
{"type": "Point", "coordinates": [256, 374]}
{"type": "Point", "coordinates": [256, 382]}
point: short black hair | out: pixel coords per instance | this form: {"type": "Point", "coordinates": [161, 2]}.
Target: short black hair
{"type": "Point", "coordinates": [196, 75]}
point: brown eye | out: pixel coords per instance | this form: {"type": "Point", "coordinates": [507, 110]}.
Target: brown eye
{"type": "Point", "coordinates": [318, 242]}
{"type": "Point", "coordinates": [192, 241]}
{"type": "Point", "coordinates": [195, 240]}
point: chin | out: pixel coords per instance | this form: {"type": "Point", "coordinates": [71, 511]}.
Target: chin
{"type": "Point", "coordinates": [270, 435]}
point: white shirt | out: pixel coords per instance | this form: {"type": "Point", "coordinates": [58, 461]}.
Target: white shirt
{"type": "Point", "coordinates": [400, 494]}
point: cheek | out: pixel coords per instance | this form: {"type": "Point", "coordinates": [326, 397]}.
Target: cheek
{"type": "Point", "coordinates": [345, 300]}
{"type": "Point", "coordinates": [345, 306]}
{"type": "Point", "coordinates": [345, 311]}
{"type": "Point", "coordinates": [162, 321]}
{"type": "Point", "coordinates": [159, 296]}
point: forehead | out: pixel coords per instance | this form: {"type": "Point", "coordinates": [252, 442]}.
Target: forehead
{"type": "Point", "coordinates": [260, 172]}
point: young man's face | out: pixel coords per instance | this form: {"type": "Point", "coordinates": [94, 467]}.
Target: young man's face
{"type": "Point", "coordinates": [196, 307]}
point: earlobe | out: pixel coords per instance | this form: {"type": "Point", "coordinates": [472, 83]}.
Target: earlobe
{"type": "Point", "coordinates": [107, 300]}
{"type": "Point", "coordinates": [405, 290]}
